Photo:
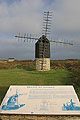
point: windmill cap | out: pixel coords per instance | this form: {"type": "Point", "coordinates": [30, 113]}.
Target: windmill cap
{"type": "Point", "coordinates": [43, 39]}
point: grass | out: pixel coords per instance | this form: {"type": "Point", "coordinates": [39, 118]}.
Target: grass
{"type": "Point", "coordinates": [24, 77]}
{"type": "Point", "coordinates": [63, 72]}
{"type": "Point", "coordinates": [30, 77]}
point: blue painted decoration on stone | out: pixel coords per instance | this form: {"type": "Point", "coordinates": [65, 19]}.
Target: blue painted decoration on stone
{"type": "Point", "coordinates": [69, 106]}
{"type": "Point", "coordinates": [12, 103]}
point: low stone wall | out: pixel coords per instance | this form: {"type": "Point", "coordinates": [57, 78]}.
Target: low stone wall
{"type": "Point", "coordinates": [35, 117]}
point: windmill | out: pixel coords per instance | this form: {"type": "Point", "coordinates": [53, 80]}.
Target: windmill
{"type": "Point", "coordinates": [42, 45]}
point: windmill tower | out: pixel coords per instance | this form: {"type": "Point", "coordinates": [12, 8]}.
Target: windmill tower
{"type": "Point", "coordinates": [42, 46]}
{"type": "Point", "coordinates": [42, 54]}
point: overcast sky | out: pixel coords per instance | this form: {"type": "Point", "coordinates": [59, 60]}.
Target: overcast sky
{"type": "Point", "coordinates": [26, 16]}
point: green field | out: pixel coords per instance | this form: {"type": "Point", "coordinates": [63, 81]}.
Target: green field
{"type": "Point", "coordinates": [23, 73]}
{"type": "Point", "coordinates": [24, 77]}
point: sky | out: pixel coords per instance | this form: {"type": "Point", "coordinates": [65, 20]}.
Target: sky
{"type": "Point", "coordinates": [26, 16]}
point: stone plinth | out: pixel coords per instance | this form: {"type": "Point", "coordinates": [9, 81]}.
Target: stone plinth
{"type": "Point", "coordinates": [42, 64]}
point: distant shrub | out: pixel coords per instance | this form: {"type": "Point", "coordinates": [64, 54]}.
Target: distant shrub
{"type": "Point", "coordinates": [76, 77]}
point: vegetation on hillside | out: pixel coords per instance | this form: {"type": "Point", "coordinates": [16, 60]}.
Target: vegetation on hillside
{"type": "Point", "coordinates": [72, 66]}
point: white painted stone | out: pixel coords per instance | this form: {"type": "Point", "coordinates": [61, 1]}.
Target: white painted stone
{"type": "Point", "coordinates": [42, 64]}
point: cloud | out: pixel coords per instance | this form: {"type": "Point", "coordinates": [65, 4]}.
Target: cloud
{"type": "Point", "coordinates": [26, 16]}
{"type": "Point", "coordinates": [23, 16]}
{"type": "Point", "coordinates": [67, 15]}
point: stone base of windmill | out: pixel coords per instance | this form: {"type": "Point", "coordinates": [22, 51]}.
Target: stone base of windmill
{"type": "Point", "coordinates": [42, 64]}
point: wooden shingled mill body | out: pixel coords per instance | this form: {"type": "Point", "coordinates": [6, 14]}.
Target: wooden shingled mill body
{"type": "Point", "coordinates": [42, 54]}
